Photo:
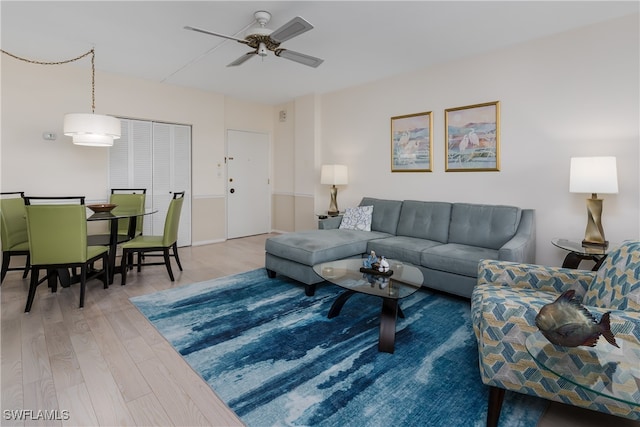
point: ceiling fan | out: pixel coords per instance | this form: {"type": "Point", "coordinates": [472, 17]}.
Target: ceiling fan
{"type": "Point", "coordinates": [263, 40]}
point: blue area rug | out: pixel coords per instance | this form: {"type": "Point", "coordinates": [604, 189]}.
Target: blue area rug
{"type": "Point", "coordinates": [275, 358]}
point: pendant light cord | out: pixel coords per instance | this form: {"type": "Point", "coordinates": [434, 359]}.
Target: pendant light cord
{"type": "Point", "coordinates": [93, 69]}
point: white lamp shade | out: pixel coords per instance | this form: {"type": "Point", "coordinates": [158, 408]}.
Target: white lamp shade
{"type": "Point", "coordinates": [92, 129]}
{"type": "Point", "coordinates": [334, 175]}
{"type": "Point", "coordinates": [593, 175]}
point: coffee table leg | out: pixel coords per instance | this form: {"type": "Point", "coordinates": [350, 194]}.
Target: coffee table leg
{"type": "Point", "coordinates": [387, 339]}
{"type": "Point", "coordinates": [338, 303]}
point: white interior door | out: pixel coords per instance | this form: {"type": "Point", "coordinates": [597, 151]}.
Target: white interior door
{"type": "Point", "coordinates": [248, 187]}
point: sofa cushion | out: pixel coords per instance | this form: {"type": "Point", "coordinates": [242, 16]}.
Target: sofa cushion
{"type": "Point", "coordinates": [425, 220]}
{"type": "Point", "coordinates": [316, 246]}
{"type": "Point", "coordinates": [385, 214]}
{"type": "Point", "coordinates": [456, 258]}
{"type": "Point", "coordinates": [402, 248]}
{"type": "Point", "coordinates": [357, 218]}
{"type": "Point", "coordinates": [488, 226]}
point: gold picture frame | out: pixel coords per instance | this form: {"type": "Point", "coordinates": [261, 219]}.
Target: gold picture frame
{"type": "Point", "coordinates": [411, 142]}
{"type": "Point", "coordinates": [472, 138]}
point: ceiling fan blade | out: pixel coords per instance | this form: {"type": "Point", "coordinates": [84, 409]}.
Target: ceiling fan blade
{"type": "Point", "coordinates": [291, 29]}
{"type": "Point", "coordinates": [242, 59]}
{"type": "Point", "coordinates": [311, 61]}
{"type": "Point", "coordinates": [200, 30]}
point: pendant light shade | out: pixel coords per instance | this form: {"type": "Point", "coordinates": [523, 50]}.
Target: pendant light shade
{"type": "Point", "coordinates": [94, 130]}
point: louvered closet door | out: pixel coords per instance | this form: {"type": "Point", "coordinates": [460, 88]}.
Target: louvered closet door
{"type": "Point", "coordinates": [130, 161]}
{"type": "Point", "coordinates": [155, 156]}
{"type": "Point", "coordinates": [172, 172]}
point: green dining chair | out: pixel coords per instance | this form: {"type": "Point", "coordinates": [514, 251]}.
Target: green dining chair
{"type": "Point", "coordinates": [58, 240]}
{"type": "Point", "coordinates": [130, 199]}
{"type": "Point", "coordinates": [142, 245]}
{"type": "Point", "coordinates": [13, 232]}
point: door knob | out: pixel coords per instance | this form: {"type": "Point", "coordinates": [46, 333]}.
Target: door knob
{"type": "Point", "coordinates": [232, 191]}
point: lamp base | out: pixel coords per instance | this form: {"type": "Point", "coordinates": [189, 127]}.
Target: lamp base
{"type": "Point", "coordinates": [594, 234]}
{"type": "Point", "coordinates": [588, 244]}
{"type": "Point", "coordinates": [333, 206]}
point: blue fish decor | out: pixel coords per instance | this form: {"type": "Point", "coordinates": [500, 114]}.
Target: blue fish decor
{"type": "Point", "coordinates": [566, 322]}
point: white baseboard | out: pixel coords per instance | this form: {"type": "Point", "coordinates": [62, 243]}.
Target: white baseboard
{"type": "Point", "coordinates": [207, 242]}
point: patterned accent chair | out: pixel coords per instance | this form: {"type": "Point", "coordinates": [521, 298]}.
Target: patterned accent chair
{"type": "Point", "coordinates": [505, 302]}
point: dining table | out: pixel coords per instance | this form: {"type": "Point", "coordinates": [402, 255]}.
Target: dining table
{"type": "Point", "coordinates": [112, 239]}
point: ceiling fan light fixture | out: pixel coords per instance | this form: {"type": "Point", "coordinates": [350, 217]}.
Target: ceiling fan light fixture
{"type": "Point", "coordinates": [262, 50]}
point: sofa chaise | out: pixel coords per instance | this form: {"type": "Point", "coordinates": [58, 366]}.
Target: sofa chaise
{"type": "Point", "coordinates": [444, 240]}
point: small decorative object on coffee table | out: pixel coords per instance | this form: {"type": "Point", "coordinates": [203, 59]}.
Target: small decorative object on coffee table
{"type": "Point", "coordinates": [375, 267]}
{"type": "Point", "coordinates": [370, 260]}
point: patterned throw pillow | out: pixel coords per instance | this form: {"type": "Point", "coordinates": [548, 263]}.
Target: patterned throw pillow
{"type": "Point", "coordinates": [357, 218]}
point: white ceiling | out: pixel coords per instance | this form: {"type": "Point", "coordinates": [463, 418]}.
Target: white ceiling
{"type": "Point", "coordinates": [360, 41]}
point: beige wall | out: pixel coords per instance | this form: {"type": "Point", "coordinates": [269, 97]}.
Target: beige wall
{"type": "Point", "coordinates": [574, 94]}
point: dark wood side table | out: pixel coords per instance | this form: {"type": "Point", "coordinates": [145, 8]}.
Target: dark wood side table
{"type": "Point", "coordinates": [578, 253]}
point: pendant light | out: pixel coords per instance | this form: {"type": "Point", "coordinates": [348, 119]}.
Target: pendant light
{"type": "Point", "coordinates": [90, 129]}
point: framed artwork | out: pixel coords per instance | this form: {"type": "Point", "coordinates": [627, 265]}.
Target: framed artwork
{"type": "Point", "coordinates": [472, 138]}
{"type": "Point", "coordinates": [411, 147]}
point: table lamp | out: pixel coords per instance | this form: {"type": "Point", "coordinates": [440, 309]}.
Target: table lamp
{"type": "Point", "coordinates": [334, 175]}
{"type": "Point", "coordinates": [594, 175]}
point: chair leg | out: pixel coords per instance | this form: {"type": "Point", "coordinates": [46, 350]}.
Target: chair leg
{"type": "Point", "coordinates": [83, 283]}
{"type": "Point", "coordinates": [52, 279]}
{"type": "Point", "coordinates": [139, 261]}
{"type": "Point", "coordinates": [105, 270]}
{"type": "Point", "coordinates": [124, 266]}
{"type": "Point", "coordinates": [5, 265]}
{"type": "Point", "coordinates": [32, 288]}
{"type": "Point", "coordinates": [27, 266]}
{"type": "Point", "coordinates": [496, 396]}
{"type": "Point", "coordinates": [175, 255]}
{"type": "Point", "coordinates": [167, 263]}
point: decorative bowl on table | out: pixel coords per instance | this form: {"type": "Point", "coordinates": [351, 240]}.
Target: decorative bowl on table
{"type": "Point", "coordinates": [102, 207]}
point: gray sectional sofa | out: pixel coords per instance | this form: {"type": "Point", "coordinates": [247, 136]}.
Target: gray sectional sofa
{"type": "Point", "coordinates": [445, 240]}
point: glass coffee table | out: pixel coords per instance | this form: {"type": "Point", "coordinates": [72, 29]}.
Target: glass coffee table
{"type": "Point", "coordinates": [405, 280]}
{"type": "Point", "coordinates": [603, 369]}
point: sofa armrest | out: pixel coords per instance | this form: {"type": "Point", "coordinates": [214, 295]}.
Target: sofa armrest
{"type": "Point", "coordinates": [330, 223]}
{"type": "Point", "coordinates": [522, 246]}
{"type": "Point", "coordinates": [532, 276]}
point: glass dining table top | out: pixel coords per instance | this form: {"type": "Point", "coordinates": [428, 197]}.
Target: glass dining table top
{"type": "Point", "coordinates": [119, 213]}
